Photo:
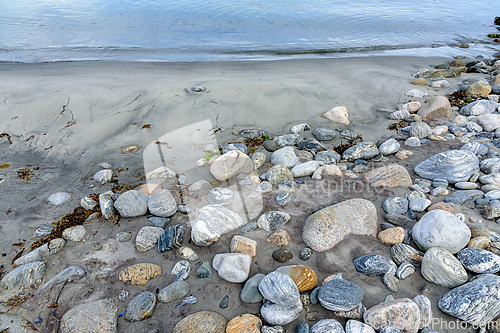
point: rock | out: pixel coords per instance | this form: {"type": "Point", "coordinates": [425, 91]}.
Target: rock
{"type": "Point", "coordinates": [327, 326]}
{"type": "Point", "coordinates": [443, 229]}
{"type": "Point", "coordinates": [287, 140]}
{"type": "Point", "coordinates": [278, 174]}
{"type": "Point", "coordinates": [88, 203]}
{"type": "Point", "coordinates": [361, 150]}
{"type": "Point", "coordinates": [490, 122]}
{"type": "Point", "coordinates": [392, 236]}
{"type": "Point", "coordinates": [390, 281]}
{"type": "Point", "coordinates": [59, 198]}
{"type": "Point", "coordinates": [419, 82]}
{"type": "Point", "coordinates": [202, 322]}
{"type": "Point", "coordinates": [405, 270]}
{"type": "Point", "coordinates": [159, 222]}
{"type": "Point", "coordinates": [374, 265]}
{"type": "Point", "coordinates": [338, 115]}
{"type": "Point", "coordinates": [452, 72]}
{"type": "Point", "coordinates": [187, 253]}
{"type": "Point", "coordinates": [354, 326]}
{"type": "Point", "coordinates": [282, 255]}
{"type": "Point", "coordinates": [310, 145]}
{"type": "Point", "coordinates": [479, 261]}
{"type": "Point", "coordinates": [395, 205]}
{"type": "Point", "coordinates": [340, 295]}
{"type": "Point", "coordinates": [490, 165]}
{"type": "Point", "coordinates": [424, 305]}
{"type": "Point", "coordinates": [24, 276]}
{"type": "Point", "coordinates": [160, 173]}
{"type": "Point", "coordinates": [140, 307]}
{"type": "Point", "coordinates": [258, 159]}
{"type": "Point", "coordinates": [32, 256]}
{"type": "Point", "coordinates": [276, 314]}
{"type": "Point", "coordinates": [416, 93]}
{"type": "Point", "coordinates": [132, 203]}
{"type": "Point", "coordinates": [436, 107]}
{"type": "Point", "coordinates": [389, 176]}
{"type": "Point", "coordinates": [232, 267]}
{"type": "Point", "coordinates": [272, 220]}
{"type": "Point", "coordinates": [148, 188]}
{"type": "Point", "coordinates": [405, 253]}
{"type": "Point", "coordinates": [250, 292]}
{"type": "Point", "coordinates": [440, 267]}
{"type": "Point", "coordinates": [43, 230]}
{"type": "Point", "coordinates": [419, 204]}
{"type": "Point", "coordinates": [305, 169]}
{"type": "Point", "coordinates": [412, 142]}
{"type": "Point", "coordinates": [324, 134]}
{"type": "Point", "coordinates": [285, 157]}
{"type": "Point", "coordinates": [476, 302]}
{"type": "Point", "coordinates": [123, 237]}
{"type": "Point", "coordinates": [70, 273]}
{"type": "Point", "coordinates": [147, 237]}
{"type": "Point", "coordinates": [97, 316]}
{"type": "Point", "coordinates": [330, 170]}
{"type": "Point", "coordinates": [398, 219]}
{"type": "Point", "coordinates": [478, 88]}
{"type": "Point", "coordinates": [479, 107]}
{"type": "Point", "coordinates": [410, 107]}
{"type": "Point", "coordinates": [220, 196]}
{"type": "Point", "coordinates": [244, 245]}
{"type": "Point", "coordinates": [173, 291]}
{"type": "Point", "coordinates": [251, 133]}
{"type": "Point", "coordinates": [279, 238]}
{"type": "Point", "coordinates": [162, 203]}
{"type": "Point", "coordinates": [279, 289]}
{"type": "Point", "coordinates": [75, 234]}
{"type": "Point", "coordinates": [231, 164]}
{"type": "Point", "coordinates": [171, 238]}
{"type": "Point", "coordinates": [399, 115]}
{"type": "Point", "coordinates": [403, 314]}
{"type": "Point", "coordinates": [327, 227]}
{"type": "Point", "coordinates": [389, 147]}
{"type": "Point", "coordinates": [139, 274]}
{"type": "Point", "coordinates": [181, 270]}
{"type": "Point", "coordinates": [246, 323]}
{"type": "Point", "coordinates": [53, 247]}
{"type": "Point", "coordinates": [453, 166]}
{"type": "Point", "coordinates": [420, 130]}
{"type": "Point", "coordinates": [204, 271]}
{"type": "Point", "coordinates": [213, 221]}
{"type": "Point", "coordinates": [234, 146]}
{"type": "Point", "coordinates": [199, 185]}
{"type": "Point", "coordinates": [440, 84]}
{"type": "Point", "coordinates": [466, 186]}
{"type": "Point", "coordinates": [463, 196]}
{"type": "Point", "coordinates": [303, 276]}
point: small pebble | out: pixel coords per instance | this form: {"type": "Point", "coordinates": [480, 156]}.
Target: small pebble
{"type": "Point", "coordinates": [305, 254]}
{"type": "Point", "coordinates": [224, 303]}
{"type": "Point", "coordinates": [282, 255]}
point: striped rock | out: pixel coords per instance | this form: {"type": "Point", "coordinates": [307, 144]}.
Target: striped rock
{"type": "Point", "coordinates": [405, 253]}
{"type": "Point", "coordinates": [442, 268]}
{"type": "Point", "coordinates": [245, 323]}
{"type": "Point", "coordinates": [139, 274]}
{"type": "Point", "coordinates": [24, 276]}
{"type": "Point", "coordinates": [303, 276]}
{"type": "Point", "coordinates": [389, 176]}
{"type": "Point", "coordinates": [453, 165]}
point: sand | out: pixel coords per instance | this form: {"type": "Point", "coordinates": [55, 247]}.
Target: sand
{"type": "Point", "coordinates": [64, 119]}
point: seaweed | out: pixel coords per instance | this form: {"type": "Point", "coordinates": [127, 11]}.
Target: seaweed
{"type": "Point", "coordinates": [398, 125]}
{"type": "Point", "coordinates": [460, 99]}
{"type": "Point", "coordinates": [25, 173]}
{"type": "Point", "coordinates": [342, 147]}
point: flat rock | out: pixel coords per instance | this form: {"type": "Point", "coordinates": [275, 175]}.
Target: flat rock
{"type": "Point", "coordinates": [403, 314]}
{"type": "Point", "coordinates": [140, 307]}
{"type": "Point", "coordinates": [171, 238]}
{"type": "Point", "coordinates": [462, 196]}
{"type": "Point", "coordinates": [139, 274]}
{"type": "Point", "coordinates": [97, 316]}
{"type": "Point", "coordinates": [327, 227]}
{"type": "Point", "coordinates": [43, 230]}
{"type": "Point", "coordinates": [476, 302]}
{"type": "Point", "coordinates": [213, 221]}
{"type": "Point", "coordinates": [327, 326]}
{"type": "Point", "coordinates": [59, 198]}
{"type": "Point", "coordinates": [162, 203]}
{"type": "Point", "coordinates": [287, 140]}
{"type": "Point", "coordinates": [251, 133]}
{"type": "Point", "coordinates": [361, 150]}
{"type": "Point", "coordinates": [305, 169]}
{"type": "Point", "coordinates": [479, 261]}
{"type": "Point", "coordinates": [232, 267]}
{"type": "Point", "coordinates": [272, 220]}
{"type": "Point", "coordinates": [250, 292]}
{"type": "Point", "coordinates": [26, 276]}
{"type": "Point", "coordinates": [159, 222]}
{"type": "Point", "coordinates": [161, 173]}
{"type": "Point", "coordinates": [147, 237]}
{"type": "Point", "coordinates": [374, 265]}
{"type": "Point", "coordinates": [440, 267]}
{"type": "Point", "coordinates": [420, 130]}
{"type": "Point", "coordinates": [490, 122]}
{"type": "Point", "coordinates": [389, 176]}
{"type": "Point", "coordinates": [324, 134]}
{"type": "Point", "coordinates": [173, 291]}
{"type": "Point", "coordinates": [338, 114]}
{"type": "Point", "coordinates": [278, 174]}
{"type": "Point", "coordinates": [132, 203]}
{"type": "Point", "coordinates": [442, 229]}
{"type": "Point", "coordinates": [436, 107]}
{"type": "Point", "coordinates": [202, 322]}
{"type": "Point", "coordinates": [231, 164]}
{"type": "Point", "coordinates": [276, 314]}
{"type": "Point", "coordinates": [70, 273]}
{"type": "Point", "coordinates": [303, 276]}
{"type": "Point", "coordinates": [246, 323]}
{"type": "Point", "coordinates": [453, 166]}
{"type": "Point", "coordinates": [340, 295]}
{"type": "Point", "coordinates": [285, 156]}
{"type": "Point", "coordinates": [479, 107]}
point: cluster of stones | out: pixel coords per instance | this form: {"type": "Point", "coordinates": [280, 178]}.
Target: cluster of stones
{"type": "Point", "coordinates": [422, 227]}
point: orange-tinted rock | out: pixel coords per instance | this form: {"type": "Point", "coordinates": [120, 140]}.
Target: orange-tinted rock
{"type": "Point", "coordinates": [443, 206]}
{"type": "Point", "coordinates": [246, 323]}
{"type": "Point", "coordinates": [457, 63]}
{"type": "Point", "coordinates": [479, 231]}
{"type": "Point", "coordinates": [280, 238]}
{"type": "Point", "coordinates": [392, 236]}
{"type": "Point", "coordinates": [479, 243]}
{"type": "Point", "coordinates": [435, 107]}
{"type": "Point", "coordinates": [148, 188]}
{"type": "Point", "coordinates": [202, 322]}
{"type": "Point", "coordinates": [241, 244]}
{"type": "Point", "coordinates": [389, 176]}
{"type": "Point", "coordinates": [303, 276]}
{"type": "Point", "coordinates": [139, 274]}
{"type": "Point", "coordinates": [401, 313]}
{"type": "Point", "coordinates": [419, 82]}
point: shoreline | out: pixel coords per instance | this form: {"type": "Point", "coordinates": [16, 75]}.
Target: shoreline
{"type": "Point", "coordinates": [64, 119]}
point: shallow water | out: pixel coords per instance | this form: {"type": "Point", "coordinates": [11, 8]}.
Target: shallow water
{"type": "Point", "coordinates": [174, 30]}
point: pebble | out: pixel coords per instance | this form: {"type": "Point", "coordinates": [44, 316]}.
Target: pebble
{"type": "Point", "coordinates": [58, 199]}
{"type": "Point", "coordinates": [123, 236]}
{"type": "Point", "coordinates": [75, 234]}
{"type": "Point", "coordinates": [220, 196]}
{"type": "Point", "coordinates": [108, 210]}
{"type": "Point", "coordinates": [285, 157]}
{"type": "Point", "coordinates": [479, 107]}
{"type": "Point", "coordinates": [405, 270]}
{"type": "Point", "coordinates": [278, 174]}
{"type": "Point", "coordinates": [305, 254]}
{"type": "Point", "coordinates": [259, 158]}
{"type": "Point", "coordinates": [389, 147]}
{"type": "Point", "coordinates": [305, 169]}
{"type": "Point", "coordinates": [188, 253]}
{"type": "Point", "coordinates": [224, 303]}
{"type": "Point", "coordinates": [159, 222]}
{"type": "Point", "coordinates": [398, 219]}
{"type": "Point", "coordinates": [419, 204]}
{"type": "Point", "coordinates": [424, 305]}
{"type": "Point", "coordinates": [327, 157]}
{"type": "Point", "coordinates": [232, 267]}
{"type": "Point", "coordinates": [340, 295]}
{"type": "Point", "coordinates": [204, 271]}
{"type": "Point", "coordinates": [251, 133]}
{"type": "Point", "coordinates": [70, 273]}
{"type": "Point", "coordinates": [282, 255]}
{"type": "Point", "coordinates": [276, 314]}
{"type": "Point", "coordinates": [43, 230]}
{"type": "Point", "coordinates": [199, 185]}
{"type": "Point", "coordinates": [213, 221]}
{"type": "Point", "coordinates": [279, 289]}
{"type": "Point", "coordinates": [479, 261]}
{"type": "Point", "coordinates": [173, 292]}
{"type": "Point", "coordinates": [231, 164]}
{"type": "Point", "coordinates": [202, 321]}
{"type": "Point", "coordinates": [303, 276]}
{"type": "Point", "coordinates": [362, 150]}
{"type": "Point", "coordinates": [124, 294]}
{"type": "Point", "coordinates": [96, 316]}
{"type": "Point", "coordinates": [88, 203]}
{"type": "Point", "coordinates": [272, 220]}
{"type": "Point", "coordinates": [440, 267]}
{"type": "Point", "coordinates": [249, 227]}
{"type": "Point", "coordinates": [324, 134]}
{"type": "Point", "coordinates": [132, 204]}
{"type": "Point", "coordinates": [246, 323]}
{"type": "Point", "coordinates": [389, 176]}
{"type": "Point", "coordinates": [279, 238]}
{"type": "Point", "coordinates": [374, 265]}
{"type": "Point", "coordinates": [181, 270]}
{"type": "Point", "coordinates": [327, 326]}
{"type": "Point", "coordinates": [405, 253]}
{"type": "Point", "coordinates": [161, 203]}
{"type": "Point", "coordinates": [24, 276]}
{"type": "Point", "coordinates": [235, 146]}
{"type": "Point", "coordinates": [354, 326]}
{"type": "Point", "coordinates": [241, 244]}
{"type": "Point", "coordinates": [139, 274]}
{"type": "Point", "coordinates": [140, 307]}
{"type": "Point", "coordinates": [412, 142]}
{"type": "Point", "coordinates": [392, 236]}
{"type": "Point", "coordinates": [396, 205]}
{"type": "Point", "coordinates": [171, 238]}
{"type": "Point", "coordinates": [403, 314]}
{"type": "Point", "coordinates": [453, 166]}
{"type": "Point", "coordinates": [287, 186]}
{"type": "Point", "coordinates": [147, 237]}
{"type": "Point", "coordinates": [338, 114]}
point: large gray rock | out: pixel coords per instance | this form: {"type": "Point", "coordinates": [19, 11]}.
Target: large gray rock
{"type": "Point", "coordinates": [479, 261]}
{"type": "Point", "coordinates": [276, 314]}
{"type": "Point", "coordinates": [476, 302]}
{"type": "Point", "coordinates": [213, 221]}
{"type": "Point", "coordinates": [340, 295]}
{"type": "Point", "coordinates": [285, 156]}
{"type": "Point", "coordinates": [443, 229]}
{"type": "Point", "coordinates": [403, 314]}
{"type": "Point", "coordinates": [362, 150]}
{"type": "Point", "coordinates": [479, 107]}
{"type": "Point", "coordinates": [231, 164]}
{"type": "Point", "coordinates": [280, 289]}
{"type": "Point", "coordinates": [442, 268]}
{"type": "Point", "coordinates": [453, 166]}
{"type": "Point", "coordinates": [97, 316]}
{"type": "Point", "coordinates": [328, 226]}
{"type": "Point", "coordinates": [24, 276]}
{"type": "Point", "coordinates": [132, 203]}
{"type": "Point", "coordinates": [162, 203]}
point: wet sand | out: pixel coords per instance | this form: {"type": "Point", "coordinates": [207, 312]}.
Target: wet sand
{"type": "Point", "coordinates": [64, 119]}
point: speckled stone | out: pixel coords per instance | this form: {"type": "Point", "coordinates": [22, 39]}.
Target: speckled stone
{"type": "Point", "coordinates": [443, 206]}
{"type": "Point", "coordinates": [362, 150]}
{"type": "Point", "coordinates": [232, 267]}
{"type": "Point", "coordinates": [139, 274]}
{"type": "Point", "coordinates": [479, 261]}
{"type": "Point", "coordinates": [327, 326]}
{"type": "Point", "coordinates": [392, 236]}
{"type": "Point", "coordinates": [278, 174]}
{"type": "Point", "coordinates": [162, 203]}
{"type": "Point", "coordinates": [173, 291]}
{"type": "Point", "coordinates": [132, 203]}
{"type": "Point", "coordinates": [188, 253]}
{"type": "Point", "coordinates": [220, 196]}
{"type": "Point", "coordinates": [395, 205]}
{"type": "Point", "coordinates": [328, 157]}
{"type": "Point", "coordinates": [476, 302]}
{"type": "Point", "coordinates": [264, 187]}
{"type": "Point", "coordinates": [305, 254]}
{"type": "Point", "coordinates": [424, 305]}
{"type": "Point", "coordinates": [24, 276]}
{"type": "Point", "coordinates": [96, 316]}
{"type": "Point", "coordinates": [303, 276]}
{"type": "Point", "coordinates": [204, 271]}
{"type": "Point", "coordinates": [241, 244]}
{"type": "Point", "coordinates": [108, 210]}
{"type": "Point", "coordinates": [403, 314]}
{"type": "Point", "coordinates": [479, 107]}
{"type": "Point", "coordinates": [43, 230]}
{"type": "Point", "coordinates": [354, 326]}
{"type": "Point", "coordinates": [453, 166]}
{"type": "Point", "coordinates": [389, 147]}
{"type": "Point", "coordinates": [213, 221]}
{"type": "Point", "coordinates": [440, 267]}
{"type": "Point", "coordinates": [374, 265]}
{"type": "Point", "coordinates": [443, 229]}
{"type": "Point", "coordinates": [340, 295]}
{"type": "Point", "coordinates": [181, 270]}
{"type": "Point", "coordinates": [234, 146]}
{"type": "Point", "coordinates": [389, 176]}
{"type": "Point", "coordinates": [202, 322]}
{"type": "Point", "coordinates": [282, 255]}
{"type": "Point", "coordinates": [272, 220]}
{"type": "Point", "coordinates": [246, 323]}
{"type": "Point", "coordinates": [279, 238]}
{"type": "Point", "coordinates": [285, 157]}
{"type": "Point", "coordinates": [147, 237]}
{"type": "Point", "coordinates": [276, 314]}
{"type": "Point", "coordinates": [140, 307]}
{"type": "Point", "coordinates": [479, 243]}
{"type": "Point", "coordinates": [259, 158]}
{"type": "Point", "coordinates": [405, 253]}
{"type": "Point", "coordinates": [287, 140]}
{"type": "Point", "coordinates": [327, 227]}
{"type": "Point", "coordinates": [123, 236]}
{"type": "Point", "coordinates": [231, 164]}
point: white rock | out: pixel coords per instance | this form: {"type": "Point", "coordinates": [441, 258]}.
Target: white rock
{"type": "Point", "coordinates": [59, 198]}
{"type": "Point", "coordinates": [440, 130]}
{"type": "Point", "coordinates": [147, 237]}
{"type": "Point", "coordinates": [338, 114]}
{"type": "Point", "coordinates": [305, 169]}
{"type": "Point", "coordinates": [88, 203]}
{"type": "Point", "coordinates": [489, 122]}
{"type": "Point", "coordinates": [103, 176]}
{"type": "Point", "coordinates": [211, 148]}
{"type": "Point", "coordinates": [390, 146]}
{"type": "Point", "coordinates": [75, 234]}
{"type": "Point", "coordinates": [232, 267]}
{"type": "Point", "coordinates": [285, 156]}
{"type": "Point", "coordinates": [211, 222]}
{"type": "Point", "coordinates": [354, 326]}
{"type": "Point", "coordinates": [160, 173]}
{"type": "Point", "coordinates": [231, 164]}
{"type": "Point", "coordinates": [416, 93]}
{"type": "Point", "coordinates": [330, 170]}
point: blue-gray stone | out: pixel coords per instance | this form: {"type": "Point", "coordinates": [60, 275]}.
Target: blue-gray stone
{"type": "Point", "coordinates": [476, 148]}
{"type": "Point", "coordinates": [162, 203]}
{"type": "Point", "coordinates": [251, 133]}
{"type": "Point", "coordinates": [473, 127]}
{"type": "Point", "coordinates": [234, 146]}
{"type": "Point", "coordinates": [279, 289]}
{"type": "Point", "coordinates": [362, 150]}
{"type": "Point", "coordinates": [272, 220]}
{"type": "Point", "coordinates": [495, 89]}
{"type": "Point", "coordinates": [324, 134]}
{"type": "Point", "coordinates": [108, 210]}
{"type": "Point", "coordinates": [466, 185]}
{"type": "Point", "coordinates": [340, 295]}
{"type": "Point", "coordinates": [224, 303]}
{"type": "Point", "coordinates": [124, 294]}
{"type": "Point", "coordinates": [398, 219]}
{"type": "Point", "coordinates": [250, 292]}
{"type": "Point", "coordinates": [276, 314]}
{"type": "Point", "coordinates": [389, 147]}
{"type": "Point", "coordinates": [186, 301]}
{"type": "Point", "coordinates": [264, 187]}
{"type": "Point", "coordinates": [171, 238]}
{"type": "Point", "coordinates": [420, 130]}
{"type": "Point", "coordinates": [395, 205]}
{"type": "Point", "coordinates": [374, 265]}
{"type": "Point", "coordinates": [140, 307]}
{"type": "Point", "coordinates": [249, 227]}
{"type": "Point", "coordinates": [479, 261]}
{"type": "Point", "coordinates": [287, 186]}
{"type": "Point", "coordinates": [405, 270]}
{"type": "Point", "coordinates": [132, 204]}
{"type": "Point", "coordinates": [310, 145]}
{"type": "Point", "coordinates": [482, 201]}
{"type": "Point", "coordinates": [173, 291]}
{"type": "Point", "coordinates": [71, 273]}
{"type": "Point", "coordinates": [314, 295]}
{"type": "Point", "coordinates": [479, 107]}
{"type": "Point", "coordinates": [440, 182]}
{"type": "Point", "coordinates": [441, 268]}
{"type": "Point", "coordinates": [405, 253]}
{"type": "Point", "coordinates": [390, 329]}
{"type": "Point", "coordinates": [43, 230]}
{"type": "Point", "coordinates": [327, 326]}
{"type": "Point", "coordinates": [123, 236]}
{"type": "Point", "coordinates": [159, 222]}
{"type": "Point", "coordinates": [285, 156]}
{"type": "Point", "coordinates": [490, 165]}
{"type": "Point", "coordinates": [296, 129]}
{"type": "Point", "coordinates": [419, 204]}
{"type": "Point", "coordinates": [287, 140]}
{"type": "Point", "coordinates": [463, 196]}
{"type": "Point", "coordinates": [59, 198]}
{"type": "Point", "coordinates": [25, 276]}
{"type": "Point", "coordinates": [220, 196]}
{"type": "Point", "coordinates": [327, 157]}
{"type": "Point", "coordinates": [453, 166]}
{"type": "Point", "coordinates": [302, 328]}
{"type": "Point", "coordinates": [205, 270]}
{"type": "Point", "coordinates": [181, 270]}
{"type": "Point", "coordinates": [412, 142]}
